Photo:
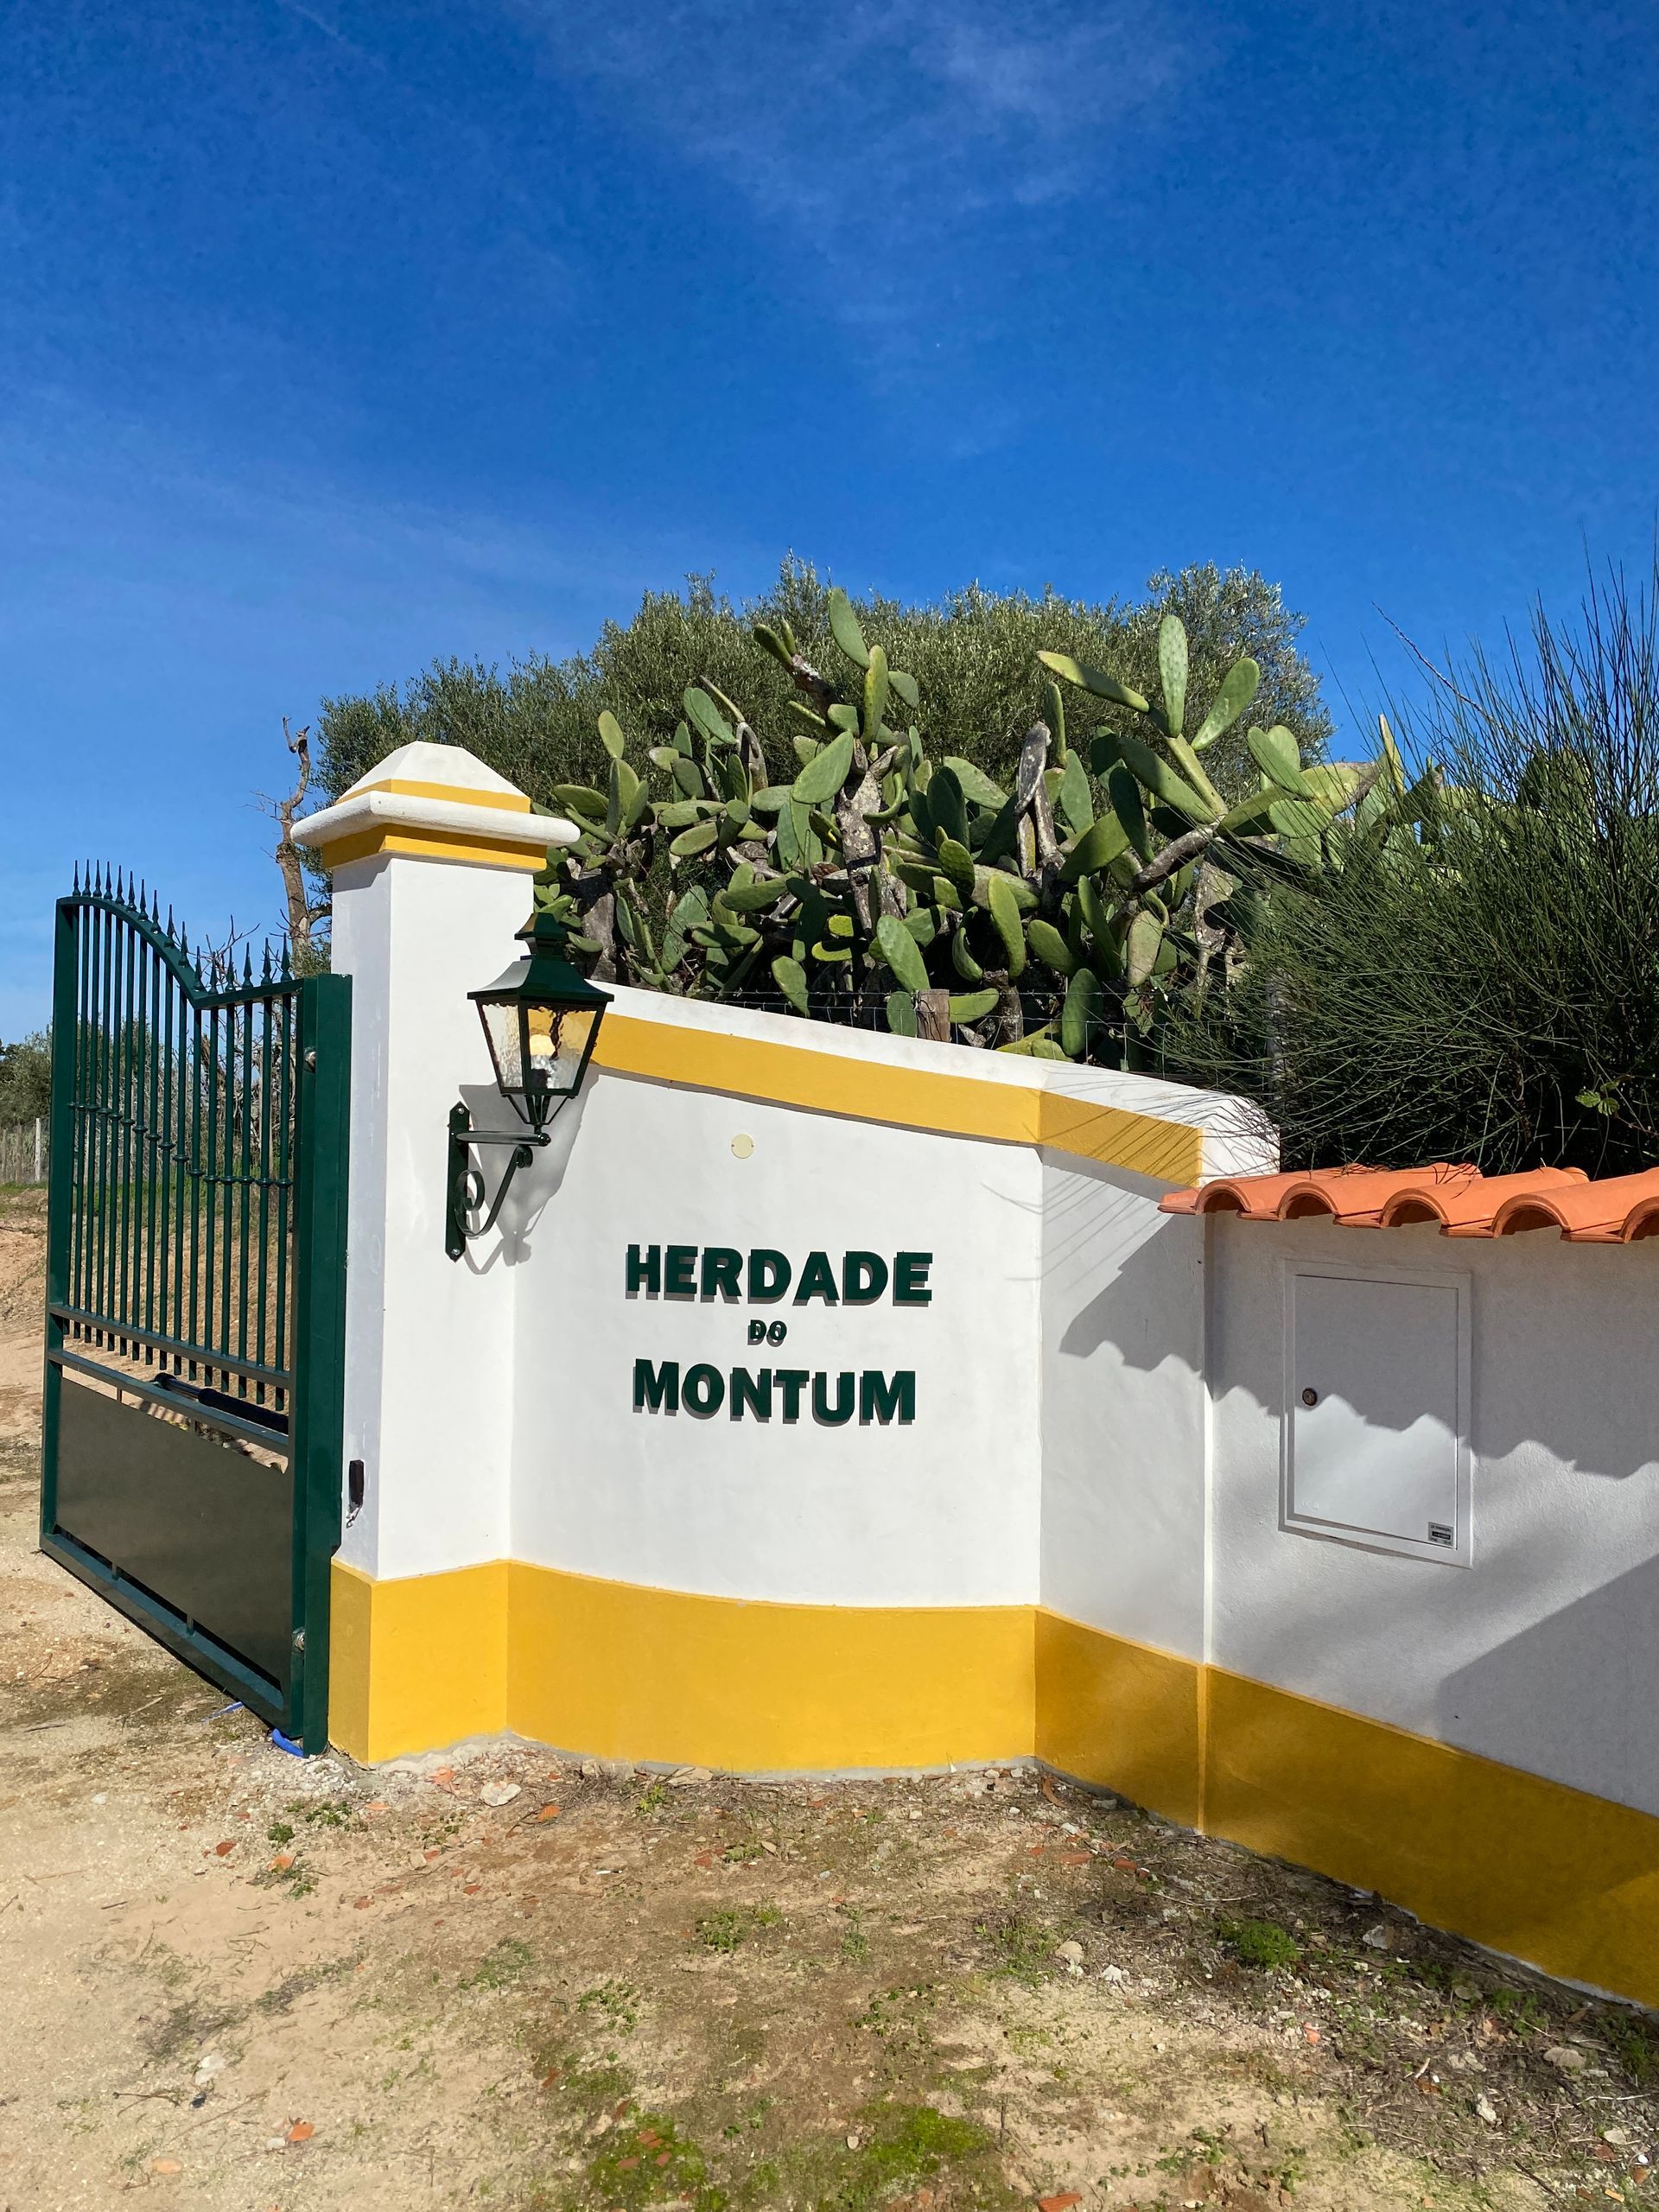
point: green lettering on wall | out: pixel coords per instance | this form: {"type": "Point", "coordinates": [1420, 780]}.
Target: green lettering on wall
{"type": "Point", "coordinates": [909, 1278]}
{"type": "Point", "coordinates": [680, 1271]}
{"type": "Point", "coordinates": [703, 1391]}
{"type": "Point", "coordinates": [657, 1390]}
{"type": "Point", "coordinates": [721, 1269]}
{"type": "Point", "coordinates": [644, 1270]}
{"type": "Point", "coordinates": [817, 1280]}
{"type": "Point", "coordinates": [754, 1391]}
{"type": "Point", "coordinates": [863, 1278]}
{"type": "Point", "coordinates": [791, 1380]}
{"type": "Point", "coordinates": [769, 1276]}
{"type": "Point", "coordinates": [882, 1398]}
{"type": "Point", "coordinates": [842, 1409]}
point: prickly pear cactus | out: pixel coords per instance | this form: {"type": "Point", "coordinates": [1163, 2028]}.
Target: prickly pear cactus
{"type": "Point", "coordinates": [1056, 918]}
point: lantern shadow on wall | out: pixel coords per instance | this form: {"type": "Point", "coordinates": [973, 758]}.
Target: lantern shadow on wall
{"type": "Point", "coordinates": [541, 1022]}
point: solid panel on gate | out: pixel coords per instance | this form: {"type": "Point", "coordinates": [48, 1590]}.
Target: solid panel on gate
{"type": "Point", "coordinates": [1375, 1416]}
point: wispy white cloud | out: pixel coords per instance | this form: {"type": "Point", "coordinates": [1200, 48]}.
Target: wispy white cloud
{"type": "Point", "coordinates": [892, 142]}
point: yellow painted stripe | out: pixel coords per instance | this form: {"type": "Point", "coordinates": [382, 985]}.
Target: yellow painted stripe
{"type": "Point", "coordinates": [1548, 1874]}
{"type": "Point", "coordinates": [1119, 1714]}
{"type": "Point", "coordinates": [916, 1098]}
{"type": "Point", "coordinates": [510, 802]}
{"type": "Point", "coordinates": [416, 1662]}
{"type": "Point", "coordinates": [432, 844]}
{"type": "Point", "coordinates": [627, 1672]}
{"type": "Point", "coordinates": [621, 1670]}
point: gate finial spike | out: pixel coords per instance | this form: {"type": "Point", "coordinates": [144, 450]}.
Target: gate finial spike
{"type": "Point", "coordinates": [265, 976]}
{"type": "Point", "coordinates": [247, 964]}
{"type": "Point", "coordinates": [287, 976]}
{"type": "Point", "coordinates": [169, 922]}
{"type": "Point", "coordinates": [77, 886]}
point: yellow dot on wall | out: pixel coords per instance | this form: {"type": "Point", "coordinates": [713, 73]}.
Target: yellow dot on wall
{"type": "Point", "coordinates": [742, 1146]}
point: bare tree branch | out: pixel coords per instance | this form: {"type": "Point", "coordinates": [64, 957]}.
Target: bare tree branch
{"type": "Point", "coordinates": [1175, 855]}
{"type": "Point", "coordinates": [301, 914]}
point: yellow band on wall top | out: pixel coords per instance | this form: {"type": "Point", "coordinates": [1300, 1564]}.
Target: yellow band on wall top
{"type": "Point", "coordinates": [917, 1098]}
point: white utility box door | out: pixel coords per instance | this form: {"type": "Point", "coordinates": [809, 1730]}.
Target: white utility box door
{"type": "Point", "coordinates": [1377, 1393]}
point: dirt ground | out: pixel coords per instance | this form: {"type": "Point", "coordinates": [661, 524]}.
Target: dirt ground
{"type": "Point", "coordinates": [499, 1977]}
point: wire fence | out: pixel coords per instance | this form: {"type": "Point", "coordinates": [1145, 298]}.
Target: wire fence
{"type": "Point", "coordinates": [25, 1151]}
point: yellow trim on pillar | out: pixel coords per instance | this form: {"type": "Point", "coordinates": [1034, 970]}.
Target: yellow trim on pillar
{"type": "Point", "coordinates": [916, 1098]}
{"type": "Point", "coordinates": [509, 802]}
{"type": "Point", "coordinates": [622, 1670]}
{"type": "Point", "coordinates": [430, 844]}
{"type": "Point", "coordinates": [416, 1662]}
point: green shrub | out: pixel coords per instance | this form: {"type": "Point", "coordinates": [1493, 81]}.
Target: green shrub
{"type": "Point", "coordinates": [1262, 1943]}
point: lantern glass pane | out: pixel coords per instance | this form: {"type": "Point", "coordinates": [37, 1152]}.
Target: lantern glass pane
{"type": "Point", "coordinates": [501, 1030]}
{"type": "Point", "coordinates": [575, 1027]}
{"type": "Point", "coordinates": [542, 1025]}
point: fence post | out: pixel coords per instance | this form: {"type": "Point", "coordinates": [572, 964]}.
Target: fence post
{"type": "Point", "coordinates": [66, 1051]}
{"type": "Point", "coordinates": [315, 1460]}
{"type": "Point", "coordinates": [38, 1147]}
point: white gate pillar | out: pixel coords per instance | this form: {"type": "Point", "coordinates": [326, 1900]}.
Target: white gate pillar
{"type": "Point", "coordinates": [431, 857]}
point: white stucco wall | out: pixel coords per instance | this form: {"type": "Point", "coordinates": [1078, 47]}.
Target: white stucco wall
{"type": "Point", "coordinates": [943, 1510]}
{"type": "Point", "coordinates": [1123, 1409]}
{"type": "Point", "coordinates": [1544, 1651]}
{"type": "Point", "coordinates": [1043, 1402]}
{"type": "Point", "coordinates": [428, 1344]}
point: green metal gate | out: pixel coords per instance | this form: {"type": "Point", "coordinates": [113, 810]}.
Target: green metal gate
{"type": "Point", "coordinates": [195, 1296]}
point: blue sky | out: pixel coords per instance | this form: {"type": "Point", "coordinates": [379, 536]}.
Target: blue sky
{"type": "Point", "coordinates": [337, 336]}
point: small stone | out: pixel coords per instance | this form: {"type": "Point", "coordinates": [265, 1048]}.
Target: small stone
{"type": "Point", "coordinates": [1376, 1938]}
{"type": "Point", "coordinates": [1615, 2134]}
{"type": "Point", "coordinates": [852, 2142]}
{"type": "Point", "coordinates": [165, 2166]}
{"type": "Point", "coordinates": [499, 1793]}
{"type": "Point", "coordinates": [1069, 1955]}
{"type": "Point", "coordinates": [1467, 1991]}
{"type": "Point", "coordinates": [1115, 1975]}
{"type": "Point", "coordinates": [1486, 2110]}
{"type": "Point", "coordinates": [688, 1777]}
{"type": "Point", "coordinates": [1564, 2058]}
{"type": "Point", "coordinates": [209, 2065]}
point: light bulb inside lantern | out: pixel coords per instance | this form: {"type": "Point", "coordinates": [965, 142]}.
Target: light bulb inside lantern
{"type": "Point", "coordinates": [544, 1044]}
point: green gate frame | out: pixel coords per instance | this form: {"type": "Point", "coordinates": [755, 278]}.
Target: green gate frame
{"type": "Point", "coordinates": [317, 1010]}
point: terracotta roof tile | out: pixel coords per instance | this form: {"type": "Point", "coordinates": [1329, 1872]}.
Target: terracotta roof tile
{"type": "Point", "coordinates": [1465, 1203]}
{"type": "Point", "coordinates": [1466, 1208]}
{"type": "Point", "coordinates": [1615, 1212]}
{"type": "Point", "coordinates": [1358, 1197]}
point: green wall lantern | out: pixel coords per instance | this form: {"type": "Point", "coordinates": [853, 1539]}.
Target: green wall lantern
{"type": "Point", "coordinates": [541, 1022]}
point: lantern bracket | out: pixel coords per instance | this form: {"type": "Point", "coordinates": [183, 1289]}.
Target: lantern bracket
{"type": "Point", "coordinates": [464, 1184]}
